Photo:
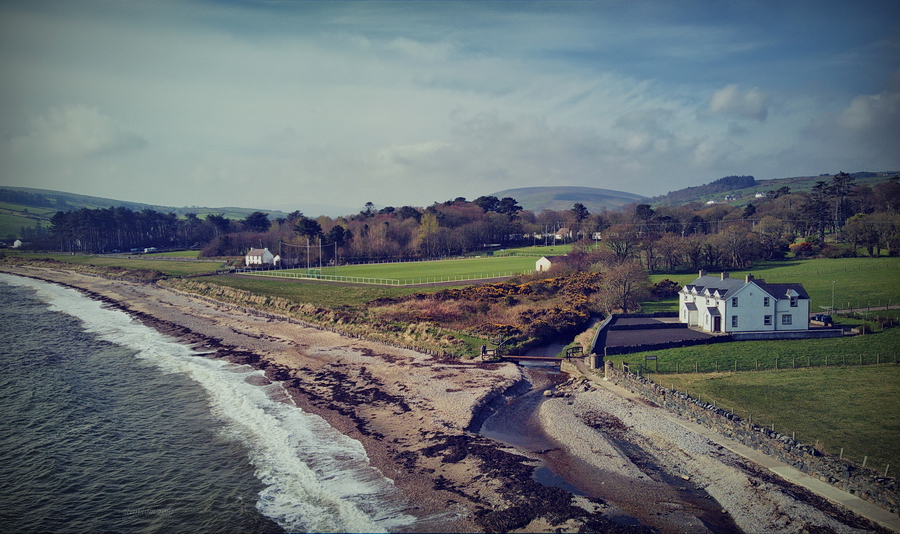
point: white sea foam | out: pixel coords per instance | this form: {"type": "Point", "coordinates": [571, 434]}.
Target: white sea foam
{"type": "Point", "coordinates": [317, 479]}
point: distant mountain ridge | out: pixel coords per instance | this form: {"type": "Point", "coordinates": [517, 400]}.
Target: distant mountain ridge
{"type": "Point", "coordinates": [561, 198]}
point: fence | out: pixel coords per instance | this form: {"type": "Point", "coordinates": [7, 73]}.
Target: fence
{"type": "Point", "coordinates": [775, 363]}
{"type": "Point", "coordinates": [379, 281]}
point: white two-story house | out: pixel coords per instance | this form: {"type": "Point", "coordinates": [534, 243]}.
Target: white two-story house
{"type": "Point", "coordinates": [259, 256]}
{"type": "Point", "coordinates": [723, 304]}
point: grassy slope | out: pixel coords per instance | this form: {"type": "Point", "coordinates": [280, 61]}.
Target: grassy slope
{"type": "Point", "coordinates": [854, 408]}
{"type": "Point", "coordinates": [170, 268]}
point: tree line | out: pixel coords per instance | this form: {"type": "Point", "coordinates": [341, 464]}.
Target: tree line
{"type": "Point", "coordinates": [835, 218]}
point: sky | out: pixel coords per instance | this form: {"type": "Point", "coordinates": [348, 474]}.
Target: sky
{"type": "Point", "coordinates": [330, 105]}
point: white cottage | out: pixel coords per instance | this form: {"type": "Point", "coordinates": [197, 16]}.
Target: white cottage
{"type": "Point", "coordinates": [545, 263]}
{"type": "Point", "coordinates": [259, 256]}
{"type": "Point", "coordinates": [723, 304]}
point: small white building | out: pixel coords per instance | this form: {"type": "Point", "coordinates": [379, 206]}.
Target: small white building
{"type": "Point", "coordinates": [259, 256]}
{"type": "Point", "coordinates": [545, 263]}
{"type": "Point", "coordinates": [17, 243]}
{"type": "Point", "coordinates": [723, 304]}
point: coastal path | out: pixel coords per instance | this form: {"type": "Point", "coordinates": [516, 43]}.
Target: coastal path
{"type": "Point", "coordinates": [849, 501]}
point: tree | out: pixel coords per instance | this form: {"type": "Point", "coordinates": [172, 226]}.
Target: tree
{"type": "Point", "coordinates": [509, 207]}
{"type": "Point", "coordinates": [487, 203]}
{"type": "Point", "coordinates": [310, 228]}
{"type": "Point", "coordinates": [624, 287]}
{"type": "Point", "coordinates": [579, 213]}
{"type": "Point", "coordinates": [256, 222]}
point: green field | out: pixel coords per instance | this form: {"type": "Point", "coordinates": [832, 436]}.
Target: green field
{"type": "Point", "coordinates": [849, 408]}
{"type": "Point", "coordinates": [175, 254]}
{"type": "Point", "coordinates": [169, 268]}
{"type": "Point", "coordinates": [859, 282]}
{"type": "Point", "coordinates": [326, 295]}
{"type": "Point", "coordinates": [428, 271]}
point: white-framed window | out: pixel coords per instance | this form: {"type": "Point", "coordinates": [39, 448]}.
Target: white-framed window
{"type": "Point", "coordinates": [787, 319]}
{"type": "Point", "coordinates": [793, 302]}
{"type": "Point", "coordinates": [766, 302]}
{"type": "Point", "coordinates": [767, 320]}
{"type": "Point", "coordinates": [734, 302]}
{"type": "Point", "coordinates": [734, 321]}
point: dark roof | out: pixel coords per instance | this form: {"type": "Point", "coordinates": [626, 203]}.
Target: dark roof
{"type": "Point", "coordinates": [780, 291]}
{"type": "Point", "coordinates": [690, 306]}
{"type": "Point", "coordinates": [713, 311]}
{"type": "Point", "coordinates": [728, 286]}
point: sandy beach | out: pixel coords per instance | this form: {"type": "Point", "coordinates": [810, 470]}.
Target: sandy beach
{"type": "Point", "coordinates": [417, 417]}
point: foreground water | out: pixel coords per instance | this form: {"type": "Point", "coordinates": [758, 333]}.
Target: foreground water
{"type": "Point", "coordinates": [107, 425]}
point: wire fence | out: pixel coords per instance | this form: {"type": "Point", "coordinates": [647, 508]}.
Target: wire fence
{"type": "Point", "coordinates": [381, 281]}
{"type": "Point", "coordinates": [658, 365]}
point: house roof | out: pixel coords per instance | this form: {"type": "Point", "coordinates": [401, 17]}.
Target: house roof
{"type": "Point", "coordinates": [713, 311]}
{"type": "Point", "coordinates": [257, 251]}
{"type": "Point", "coordinates": [783, 291]}
{"type": "Point", "coordinates": [725, 288]}
{"type": "Point", "coordinates": [690, 306]}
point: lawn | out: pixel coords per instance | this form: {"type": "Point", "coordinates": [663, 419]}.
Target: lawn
{"type": "Point", "coordinates": [432, 271]}
{"type": "Point", "coordinates": [326, 295]}
{"type": "Point", "coordinates": [858, 282]}
{"type": "Point", "coordinates": [777, 354]}
{"type": "Point", "coordinates": [849, 408]}
{"type": "Point", "coordinates": [175, 254]}
{"type": "Point", "coordinates": [170, 268]}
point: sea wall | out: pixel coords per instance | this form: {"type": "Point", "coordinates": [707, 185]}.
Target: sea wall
{"type": "Point", "coordinates": [840, 473]}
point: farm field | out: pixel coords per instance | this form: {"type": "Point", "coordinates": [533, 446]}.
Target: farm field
{"type": "Point", "coordinates": [858, 282]}
{"type": "Point", "coordinates": [326, 295]}
{"type": "Point", "coordinates": [170, 268]}
{"type": "Point", "coordinates": [880, 347]}
{"type": "Point", "coordinates": [175, 254]}
{"type": "Point", "coordinates": [849, 408]}
{"type": "Point", "coordinates": [431, 271]}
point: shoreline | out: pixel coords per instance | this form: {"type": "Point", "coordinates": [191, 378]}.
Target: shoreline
{"type": "Point", "coordinates": [416, 416]}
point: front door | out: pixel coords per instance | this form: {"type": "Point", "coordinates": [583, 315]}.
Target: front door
{"type": "Point", "coordinates": [717, 324]}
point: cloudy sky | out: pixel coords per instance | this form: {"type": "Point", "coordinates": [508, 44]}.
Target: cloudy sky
{"type": "Point", "coordinates": [281, 104]}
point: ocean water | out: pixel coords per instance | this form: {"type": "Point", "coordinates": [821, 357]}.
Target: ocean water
{"type": "Point", "coordinates": [108, 425]}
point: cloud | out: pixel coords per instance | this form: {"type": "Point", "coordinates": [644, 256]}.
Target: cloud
{"type": "Point", "coordinates": [75, 131]}
{"type": "Point", "coordinates": [750, 104]}
{"type": "Point", "coordinates": [869, 124]}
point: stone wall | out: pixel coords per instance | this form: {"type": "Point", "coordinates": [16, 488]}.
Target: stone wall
{"type": "Point", "coordinates": [843, 474]}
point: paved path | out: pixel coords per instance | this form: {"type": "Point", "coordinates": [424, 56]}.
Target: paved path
{"type": "Point", "coordinates": [851, 502]}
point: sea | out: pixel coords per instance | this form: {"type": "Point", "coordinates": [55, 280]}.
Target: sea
{"type": "Point", "coordinates": [107, 425]}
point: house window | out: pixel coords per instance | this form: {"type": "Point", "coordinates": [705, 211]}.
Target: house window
{"type": "Point", "coordinates": [786, 319]}
{"type": "Point", "coordinates": [793, 302]}
{"type": "Point", "coordinates": [734, 302]}
{"type": "Point", "coordinates": [767, 320]}
{"type": "Point", "coordinates": [766, 302]}
{"type": "Point", "coordinates": [734, 321]}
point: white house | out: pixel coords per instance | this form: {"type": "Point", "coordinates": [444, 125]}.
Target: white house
{"type": "Point", "coordinates": [723, 304]}
{"type": "Point", "coordinates": [545, 263]}
{"type": "Point", "coordinates": [259, 256]}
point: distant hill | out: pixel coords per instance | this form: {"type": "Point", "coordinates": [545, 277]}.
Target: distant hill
{"type": "Point", "coordinates": [29, 207]}
{"type": "Point", "coordinates": [740, 190]}
{"type": "Point", "coordinates": [563, 198]}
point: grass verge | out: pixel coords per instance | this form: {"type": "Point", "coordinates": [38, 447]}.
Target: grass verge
{"type": "Point", "coordinates": [849, 408]}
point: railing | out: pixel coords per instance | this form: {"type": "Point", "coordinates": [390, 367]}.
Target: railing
{"type": "Point", "coordinates": [380, 281]}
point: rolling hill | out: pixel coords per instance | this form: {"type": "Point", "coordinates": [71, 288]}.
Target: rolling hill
{"type": "Point", "coordinates": [563, 198]}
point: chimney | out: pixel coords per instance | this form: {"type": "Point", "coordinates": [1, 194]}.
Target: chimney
{"type": "Point", "coordinates": [749, 278]}
{"type": "Point", "coordinates": [702, 273]}
{"type": "Point", "coordinates": [724, 275]}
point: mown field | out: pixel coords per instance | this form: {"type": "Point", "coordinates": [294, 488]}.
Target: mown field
{"type": "Point", "coordinates": [849, 408]}
{"type": "Point", "coordinates": [858, 282]}
{"type": "Point", "coordinates": [169, 268]}
{"type": "Point", "coordinates": [432, 271]}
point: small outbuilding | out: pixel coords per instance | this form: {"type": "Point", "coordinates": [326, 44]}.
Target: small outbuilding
{"type": "Point", "coordinates": [545, 263]}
